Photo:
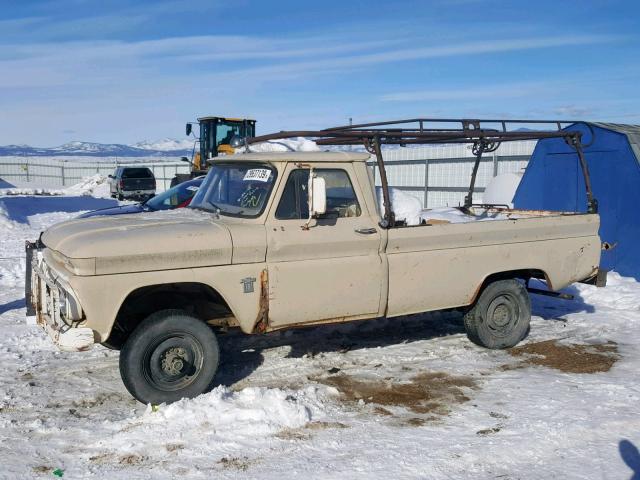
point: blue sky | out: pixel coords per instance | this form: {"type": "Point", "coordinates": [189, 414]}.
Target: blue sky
{"type": "Point", "coordinates": [120, 72]}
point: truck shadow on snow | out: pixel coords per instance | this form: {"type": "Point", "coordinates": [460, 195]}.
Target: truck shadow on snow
{"type": "Point", "coordinates": [243, 354]}
{"type": "Point", "coordinates": [13, 305]}
{"type": "Point", "coordinates": [20, 208]}
{"type": "Point", "coordinates": [550, 308]}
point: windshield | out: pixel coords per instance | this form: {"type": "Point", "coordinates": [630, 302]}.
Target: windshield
{"type": "Point", "coordinates": [236, 189]}
{"type": "Point", "coordinates": [176, 197]}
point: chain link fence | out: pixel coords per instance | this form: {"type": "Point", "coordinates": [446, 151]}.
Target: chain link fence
{"type": "Point", "coordinates": [61, 172]}
{"type": "Point", "coordinates": [439, 176]}
{"type": "Point", "coordinates": [436, 175]}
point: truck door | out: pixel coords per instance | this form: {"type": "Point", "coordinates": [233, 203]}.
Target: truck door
{"type": "Point", "coordinates": [333, 270]}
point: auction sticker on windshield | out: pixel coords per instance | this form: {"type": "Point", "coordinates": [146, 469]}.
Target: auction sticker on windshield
{"type": "Point", "coordinates": [257, 174]}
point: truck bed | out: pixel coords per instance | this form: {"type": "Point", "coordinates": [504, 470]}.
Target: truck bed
{"type": "Point", "coordinates": [442, 265]}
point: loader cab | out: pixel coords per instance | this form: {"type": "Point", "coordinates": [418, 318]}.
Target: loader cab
{"type": "Point", "coordinates": [216, 134]}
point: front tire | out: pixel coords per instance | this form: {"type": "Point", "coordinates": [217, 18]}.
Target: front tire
{"type": "Point", "coordinates": [169, 356]}
{"type": "Point", "coordinates": [501, 316]}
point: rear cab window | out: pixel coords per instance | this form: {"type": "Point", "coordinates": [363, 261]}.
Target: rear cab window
{"type": "Point", "coordinates": [137, 173]}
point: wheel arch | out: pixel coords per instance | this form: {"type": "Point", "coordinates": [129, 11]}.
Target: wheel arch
{"type": "Point", "coordinates": [199, 299]}
{"type": "Point", "coordinates": [523, 273]}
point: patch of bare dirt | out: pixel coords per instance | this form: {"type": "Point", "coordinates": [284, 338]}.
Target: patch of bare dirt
{"type": "Point", "coordinates": [296, 434]}
{"type": "Point", "coordinates": [172, 447]}
{"type": "Point", "coordinates": [42, 469]}
{"type": "Point", "coordinates": [428, 392]}
{"type": "Point", "coordinates": [416, 422]}
{"type": "Point", "coordinates": [132, 459]}
{"type": "Point", "coordinates": [382, 411]}
{"type": "Point", "coordinates": [98, 400]}
{"type": "Point", "coordinates": [324, 425]}
{"type": "Point", "coordinates": [236, 463]}
{"type": "Point", "coordinates": [304, 433]}
{"type": "Point", "coordinates": [110, 458]}
{"type": "Point", "coordinates": [576, 358]}
{"type": "Point", "coordinates": [102, 458]}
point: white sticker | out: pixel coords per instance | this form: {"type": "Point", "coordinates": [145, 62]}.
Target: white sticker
{"type": "Point", "coordinates": [257, 175]}
{"type": "Point", "coordinates": [192, 188]}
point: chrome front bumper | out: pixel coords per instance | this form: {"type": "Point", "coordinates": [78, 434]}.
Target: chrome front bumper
{"type": "Point", "coordinates": [55, 305]}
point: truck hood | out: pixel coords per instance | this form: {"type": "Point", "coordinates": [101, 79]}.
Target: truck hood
{"type": "Point", "coordinates": [164, 240]}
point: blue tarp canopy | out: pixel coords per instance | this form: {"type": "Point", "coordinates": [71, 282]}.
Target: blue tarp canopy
{"type": "Point", "coordinates": [553, 180]}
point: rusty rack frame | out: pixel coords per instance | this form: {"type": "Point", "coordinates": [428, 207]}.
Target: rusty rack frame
{"type": "Point", "coordinates": [484, 135]}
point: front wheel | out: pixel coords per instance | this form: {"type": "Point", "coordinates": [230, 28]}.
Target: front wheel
{"type": "Point", "coordinates": [500, 317]}
{"type": "Point", "coordinates": [169, 356]}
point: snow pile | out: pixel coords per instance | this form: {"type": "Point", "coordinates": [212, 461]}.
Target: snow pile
{"type": "Point", "coordinates": [621, 293]}
{"type": "Point", "coordinates": [97, 186]}
{"type": "Point", "coordinates": [11, 268]}
{"type": "Point", "coordinates": [298, 144]}
{"type": "Point", "coordinates": [409, 209]}
{"type": "Point", "coordinates": [12, 273]}
{"type": "Point", "coordinates": [5, 223]}
{"type": "Point", "coordinates": [406, 207]}
{"type": "Point", "coordinates": [250, 412]}
{"type": "Point", "coordinates": [32, 191]}
{"type": "Point", "coordinates": [454, 215]}
{"type": "Point", "coordinates": [501, 189]}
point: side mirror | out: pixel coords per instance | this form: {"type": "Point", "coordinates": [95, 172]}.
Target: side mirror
{"type": "Point", "coordinates": [188, 129]}
{"type": "Point", "coordinates": [110, 176]}
{"type": "Point", "coordinates": [317, 196]}
{"type": "Point", "coordinates": [185, 159]}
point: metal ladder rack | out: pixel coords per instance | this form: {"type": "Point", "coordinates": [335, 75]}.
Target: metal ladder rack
{"type": "Point", "coordinates": [484, 135]}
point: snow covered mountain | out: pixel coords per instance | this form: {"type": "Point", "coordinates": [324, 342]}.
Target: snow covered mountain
{"type": "Point", "coordinates": [162, 148]}
{"type": "Point", "coordinates": [165, 145]}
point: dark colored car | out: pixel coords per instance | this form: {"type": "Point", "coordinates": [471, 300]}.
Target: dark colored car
{"type": "Point", "coordinates": [177, 197]}
{"type": "Point", "coordinates": [132, 182]}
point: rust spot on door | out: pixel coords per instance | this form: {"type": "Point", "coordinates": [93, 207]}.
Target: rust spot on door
{"type": "Point", "coordinates": [262, 321]}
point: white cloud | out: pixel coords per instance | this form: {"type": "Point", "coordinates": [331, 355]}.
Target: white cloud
{"type": "Point", "coordinates": [476, 92]}
{"type": "Point", "coordinates": [100, 88]}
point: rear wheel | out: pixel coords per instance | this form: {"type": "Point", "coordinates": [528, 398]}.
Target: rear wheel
{"type": "Point", "coordinates": [169, 356]}
{"type": "Point", "coordinates": [501, 316]}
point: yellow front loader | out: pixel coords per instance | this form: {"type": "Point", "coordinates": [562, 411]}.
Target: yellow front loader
{"type": "Point", "coordinates": [215, 134]}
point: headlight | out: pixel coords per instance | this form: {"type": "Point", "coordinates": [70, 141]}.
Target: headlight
{"type": "Point", "coordinates": [70, 309]}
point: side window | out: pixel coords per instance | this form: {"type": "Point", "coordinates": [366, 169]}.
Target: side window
{"type": "Point", "coordinates": [341, 198]}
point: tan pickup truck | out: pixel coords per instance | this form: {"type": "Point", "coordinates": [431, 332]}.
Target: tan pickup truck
{"type": "Point", "coordinates": [280, 240]}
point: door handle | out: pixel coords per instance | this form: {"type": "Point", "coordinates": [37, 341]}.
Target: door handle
{"type": "Point", "coordinates": [366, 231]}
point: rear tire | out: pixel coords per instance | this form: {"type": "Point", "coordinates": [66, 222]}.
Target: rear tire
{"type": "Point", "coordinates": [169, 356]}
{"type": "Point", "coordinates": [501, 316]}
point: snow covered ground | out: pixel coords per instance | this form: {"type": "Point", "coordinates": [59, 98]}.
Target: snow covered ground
{"type": "Point", "coordinates": [400, 399]}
